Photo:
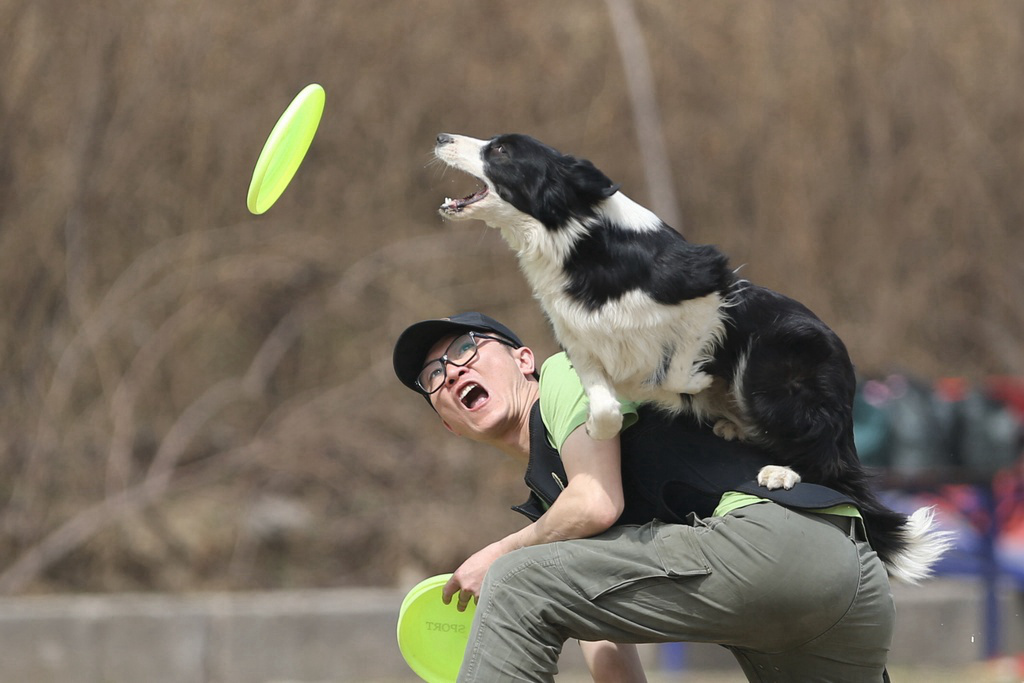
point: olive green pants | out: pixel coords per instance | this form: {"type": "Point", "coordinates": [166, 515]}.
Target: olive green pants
{"type": "Point", "coordinates": [797, 597]}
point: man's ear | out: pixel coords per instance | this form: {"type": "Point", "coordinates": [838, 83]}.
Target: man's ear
{"type": "Point", "coordinates": [526, 360]}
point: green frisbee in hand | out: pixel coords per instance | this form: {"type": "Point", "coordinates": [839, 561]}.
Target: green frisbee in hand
{"type": "Point", "coordinates": [285, 148]}
{"type": "Point", "coordinates": [432, 635]}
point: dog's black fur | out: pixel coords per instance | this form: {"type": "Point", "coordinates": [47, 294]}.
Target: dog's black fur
{"type": "Point", "coordinates": [788, 376]}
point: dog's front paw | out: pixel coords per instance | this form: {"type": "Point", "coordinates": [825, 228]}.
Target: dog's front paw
{"type": "Point", "coordinates": [726, 429]}
{"type": "Point", "coordinates": [604, 424]}
{"type": "Point", "coordinates": [777, 477]}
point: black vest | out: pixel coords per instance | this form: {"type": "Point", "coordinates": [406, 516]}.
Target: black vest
{"type": "Point", "coordinates": [671, 466]}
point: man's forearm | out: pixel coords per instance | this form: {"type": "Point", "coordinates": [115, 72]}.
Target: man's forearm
{"type": "Point", "coordinates": [574, 514]}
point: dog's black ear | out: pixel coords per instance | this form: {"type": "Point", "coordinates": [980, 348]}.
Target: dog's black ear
{"type": "Point", "coordinates": [561, 188]}
{"type": "Point", "coordinates": [571, 190]}
{"type": "Point", "coordinates": [590, 182]}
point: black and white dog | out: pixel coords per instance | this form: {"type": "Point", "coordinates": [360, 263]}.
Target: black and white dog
{"type": "Point", "coordinates": [646, 315]}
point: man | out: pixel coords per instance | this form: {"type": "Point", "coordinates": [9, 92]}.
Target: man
{"type": "Point", "coordinates": [658, 535]}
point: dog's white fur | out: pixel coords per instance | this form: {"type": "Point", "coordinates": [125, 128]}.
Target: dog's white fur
{"type": "Point", "coordinates": [614, 347]}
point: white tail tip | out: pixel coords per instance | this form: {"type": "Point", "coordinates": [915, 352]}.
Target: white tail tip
{"type": "Point", "coordinates": [925, 546]}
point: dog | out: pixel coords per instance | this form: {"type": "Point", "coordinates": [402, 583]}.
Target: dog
{"type": "Point", "coordinates": [645, 315]}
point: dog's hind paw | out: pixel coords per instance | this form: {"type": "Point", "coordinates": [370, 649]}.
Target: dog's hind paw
{"type": "Point", "coordinates": [726, 429]}
{"type": "Point", "coordinates": [604, 425]}
{"type": "Point", "coordinates": [698, 382]}
{"type": "Point", "coordinates": [777, 477]}
{"type": "Point", "coordinates": [691, 383]}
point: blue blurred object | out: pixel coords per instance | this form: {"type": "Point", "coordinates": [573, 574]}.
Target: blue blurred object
{"type": "Point", "coordinates": [957, 448]}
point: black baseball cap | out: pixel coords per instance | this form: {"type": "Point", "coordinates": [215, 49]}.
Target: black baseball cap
{"type": "Point", "coordinates": [413, 344]}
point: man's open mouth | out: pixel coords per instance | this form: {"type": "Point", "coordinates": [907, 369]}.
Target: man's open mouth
{"type": "Point", "coordinates": [456, 205]}
{"type": "Point", "coordinates": [472, 395]}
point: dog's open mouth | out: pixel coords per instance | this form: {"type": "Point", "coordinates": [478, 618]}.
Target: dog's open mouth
{"type": "Point", "coordinates": [456, 205]}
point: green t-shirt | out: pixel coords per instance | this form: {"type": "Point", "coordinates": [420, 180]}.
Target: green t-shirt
{"type": "Point", "coordinates": [564, 404]}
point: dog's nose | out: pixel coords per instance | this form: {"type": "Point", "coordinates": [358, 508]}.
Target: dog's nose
{"type": "Point", "coordinates": [445, 139]}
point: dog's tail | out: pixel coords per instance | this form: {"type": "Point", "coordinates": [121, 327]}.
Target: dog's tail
{"type": "Point", "coordinates": [923, 546]}
{"type": "Point", "coordinates": [909, 546]}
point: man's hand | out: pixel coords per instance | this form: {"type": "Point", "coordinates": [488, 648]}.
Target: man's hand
{"type": "Point", "coordinates": [469, 577]}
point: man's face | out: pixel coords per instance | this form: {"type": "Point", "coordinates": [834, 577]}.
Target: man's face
{"type": "Point", "coordinates": [478, 400]}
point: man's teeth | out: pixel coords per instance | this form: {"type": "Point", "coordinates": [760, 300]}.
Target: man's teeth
{"type": "Point", "coordinates": [465, 391]}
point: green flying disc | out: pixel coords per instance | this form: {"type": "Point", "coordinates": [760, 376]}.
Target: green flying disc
{"type": "Point", "coordinates": [432, 635]}
{"type": "Point", "coordinates": [285, 148]}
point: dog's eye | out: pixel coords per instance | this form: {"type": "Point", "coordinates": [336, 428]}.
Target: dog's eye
{"type": "Point", "coordinates": [497, 150]}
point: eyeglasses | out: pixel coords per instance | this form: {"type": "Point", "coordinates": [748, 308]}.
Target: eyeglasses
{"type": "Point", "coordinates": [461, 351]}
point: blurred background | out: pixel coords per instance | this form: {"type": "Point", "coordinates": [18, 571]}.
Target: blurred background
{"type": "Point", "coordinates": [193, 398]}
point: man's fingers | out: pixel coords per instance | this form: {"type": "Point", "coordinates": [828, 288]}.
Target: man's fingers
{"type": "Point", "coordinates": [449, 590]}
{"type": "Point", "coordinates": [464, 598]}
{"type": "Point", "coordinates": [454, 586]}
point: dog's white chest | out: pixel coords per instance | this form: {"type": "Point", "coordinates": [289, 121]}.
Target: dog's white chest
{"type": "Point", "coordinates": [638, 342]}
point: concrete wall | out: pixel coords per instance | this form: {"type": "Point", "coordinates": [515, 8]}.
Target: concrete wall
{"type": "Point", "coordinates": [349, 635]}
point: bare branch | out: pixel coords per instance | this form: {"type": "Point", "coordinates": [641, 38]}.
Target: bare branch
{"type": "Point", "coordinates": [642, 97]}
